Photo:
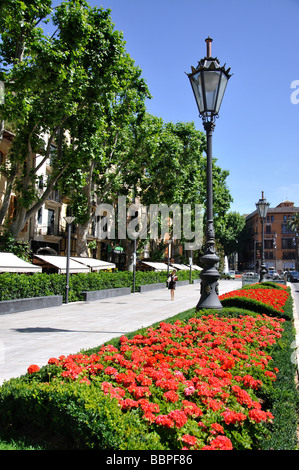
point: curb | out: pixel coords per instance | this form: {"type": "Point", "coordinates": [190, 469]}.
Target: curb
{"type": "Point", "coordinates": [30, 303]}
{"type": "Point", "coordinates": [296, 326]}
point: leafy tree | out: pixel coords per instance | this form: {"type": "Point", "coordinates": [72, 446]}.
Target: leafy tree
{"type": "Point", "coordinates": [230, 232]}
{"type": "Point", "coordinates": [103, 149]}
{"type": "Point", "coordinates": [18, 248]}
{"type": "Point", "coordinates": [293, 223]}
{"type": "Point", "coordinates": [52, 86]}
{"type": "Point", "coordinates": [174, 168]}
{"type": "Point", "coordinates": [166, 164]}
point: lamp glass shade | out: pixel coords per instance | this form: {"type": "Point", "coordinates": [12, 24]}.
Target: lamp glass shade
{"type": "Point", "coordinates": [195, 81]}
{"type": "Point", "coordinates": [69, 220]}
{"type": "Point", "coordinates": [262, 208]}
{"type": "Point", "coordinates": [208, 88]}
{"type": "Point", "coordinates": [221, 90]}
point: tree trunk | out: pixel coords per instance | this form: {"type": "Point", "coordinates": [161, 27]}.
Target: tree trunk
{"type": "Point", "coordinates": [19, 222]}
{"type": "Point", "coordinates": [82, 232]}
{"type": "Point", "coordinates": [6, 201]}
{"type": "Point", "coordinates": [129, 249]}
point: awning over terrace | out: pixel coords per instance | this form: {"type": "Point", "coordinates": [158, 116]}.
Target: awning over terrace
{"type": "Point", "coordinates": [195, 267]}
{"type": "Point", "coordinates": [10, 263]}
{"type": "Point", "coordinates": [164, 266]}
{"type": "Point", "coordinates": [185, 267]}
{"type": "Point", "coordinates": [58, 263]}
{"type": "Point", "coordinates": [156, 266]}
{"type": "Point", "coordinates": [180, 267]}
{"type": "Point", "coordinates": [94, 264]}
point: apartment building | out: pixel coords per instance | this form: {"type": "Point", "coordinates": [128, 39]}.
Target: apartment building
{"type": "Point", "coordinates": [45, 230]}
{"type": "Point", "coordinates": [280, 241]}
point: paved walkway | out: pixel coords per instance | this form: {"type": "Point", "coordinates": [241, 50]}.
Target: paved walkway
{"type": "Point", "coordinates": [32, 337]}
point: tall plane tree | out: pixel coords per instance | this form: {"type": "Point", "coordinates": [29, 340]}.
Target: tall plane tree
{"type": "Point", "coordinates": [53, 82]}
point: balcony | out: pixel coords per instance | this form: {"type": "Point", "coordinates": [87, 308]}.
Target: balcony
{"type": "Point", "coordinates": [54, 200]}
{"type": "Point", "coordinates": [54, 196]}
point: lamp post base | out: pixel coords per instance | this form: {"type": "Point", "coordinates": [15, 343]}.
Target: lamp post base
{"type": "Point", "coordinates": [209, 283]}
{"type": "Point", "coordinates": [263, 273]}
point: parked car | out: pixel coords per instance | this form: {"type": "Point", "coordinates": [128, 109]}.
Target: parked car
{"type": "Point", "coordinates": [294, 276]}
{"type": "Point", "coordinates": [272, 274]}
{"type": "Point", "coordinates": [231, 274]}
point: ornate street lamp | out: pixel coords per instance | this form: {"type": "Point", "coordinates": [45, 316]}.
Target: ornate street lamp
{"type": "Point", "coordinates": [69, 220]}
{"type": "Point", "coordinates": [262, 209]}
{"type": "Point", "coordinates": [208, 81]}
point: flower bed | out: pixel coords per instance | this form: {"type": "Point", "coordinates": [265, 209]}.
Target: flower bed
{"type": "Point", "coordinates": [264, 299]}
{"type": "Point", "coordinates": [273, 298]}
{"type": "Point", "coordinates": [198, 384]}
{"type": "Point", "coordinates": [196, 378]}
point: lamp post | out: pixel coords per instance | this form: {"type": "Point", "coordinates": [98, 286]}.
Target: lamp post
{"type": "Point", "coordinates": [134, 253]}
{"type": "Point", "coordinates": [208, 81]}
{"type": "Point", "coordinates": [168, 256]}
{"type": "Point", "coordinates": [69, 220]}
{"type": "Point", "coordinates": [262, 208]}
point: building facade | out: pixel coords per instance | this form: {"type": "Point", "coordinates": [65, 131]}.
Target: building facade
{"type": "Point", "coordinates": [280, 241]}
{"type": "Point", "coordinates": [46, 230]}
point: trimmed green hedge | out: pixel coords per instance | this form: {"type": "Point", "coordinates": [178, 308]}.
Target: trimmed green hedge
{"type": "Point", "coordinates": [70, 416]}
{"type": "Point", "coordinates": [265, 285]}
{"type": "Point", "coordinates": [283, 398]}
{"type": "Point", "coordinates": [259, 307]}
{"type": "Point", "coordinates": [21, 286]}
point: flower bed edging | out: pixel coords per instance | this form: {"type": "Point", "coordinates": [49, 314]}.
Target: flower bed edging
{"type": "Point", "coordinates": [20, 305]}
{"type": "Point", "coordinates": [105, 293]}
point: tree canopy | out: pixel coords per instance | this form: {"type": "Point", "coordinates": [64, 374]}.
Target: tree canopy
{"type": "Point", "coordinates": [58, 90]}
{"type": "Point", "coordinates": [76, 98]}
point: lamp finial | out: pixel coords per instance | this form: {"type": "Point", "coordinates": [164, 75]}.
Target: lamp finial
{"type": "Point", "coordinates": [209, 46]}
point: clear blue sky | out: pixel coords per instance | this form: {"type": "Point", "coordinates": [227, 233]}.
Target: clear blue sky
{"type": "Point", "coordinates": [257, 134]}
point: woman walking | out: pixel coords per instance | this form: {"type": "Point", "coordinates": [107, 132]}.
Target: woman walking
{"type": "Point", "coordinates": [172, 283]}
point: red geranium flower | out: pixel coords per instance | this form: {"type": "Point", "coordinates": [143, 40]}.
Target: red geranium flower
{"type": "Point", "coordinates": [33, 368]}
{"type": "Point", "coordinates": [191, 440]}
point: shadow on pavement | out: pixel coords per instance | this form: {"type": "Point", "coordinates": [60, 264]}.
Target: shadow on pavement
{"type": "Point", "coordinates": [58, 330]}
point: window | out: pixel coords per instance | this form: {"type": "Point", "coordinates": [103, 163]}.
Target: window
{"type": "Point", "coordinates": [287, 243]}
{"type": "Point", "coordinates": [288, 255]}
{"type": "Point", "coordinates": [285, 228]}
{"type": "Point", "coordinates": [40, 215]}
{"type": "Point", "coordinates": [268, 228]}
{"type": "Point", "coordinates": [51, 220]}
